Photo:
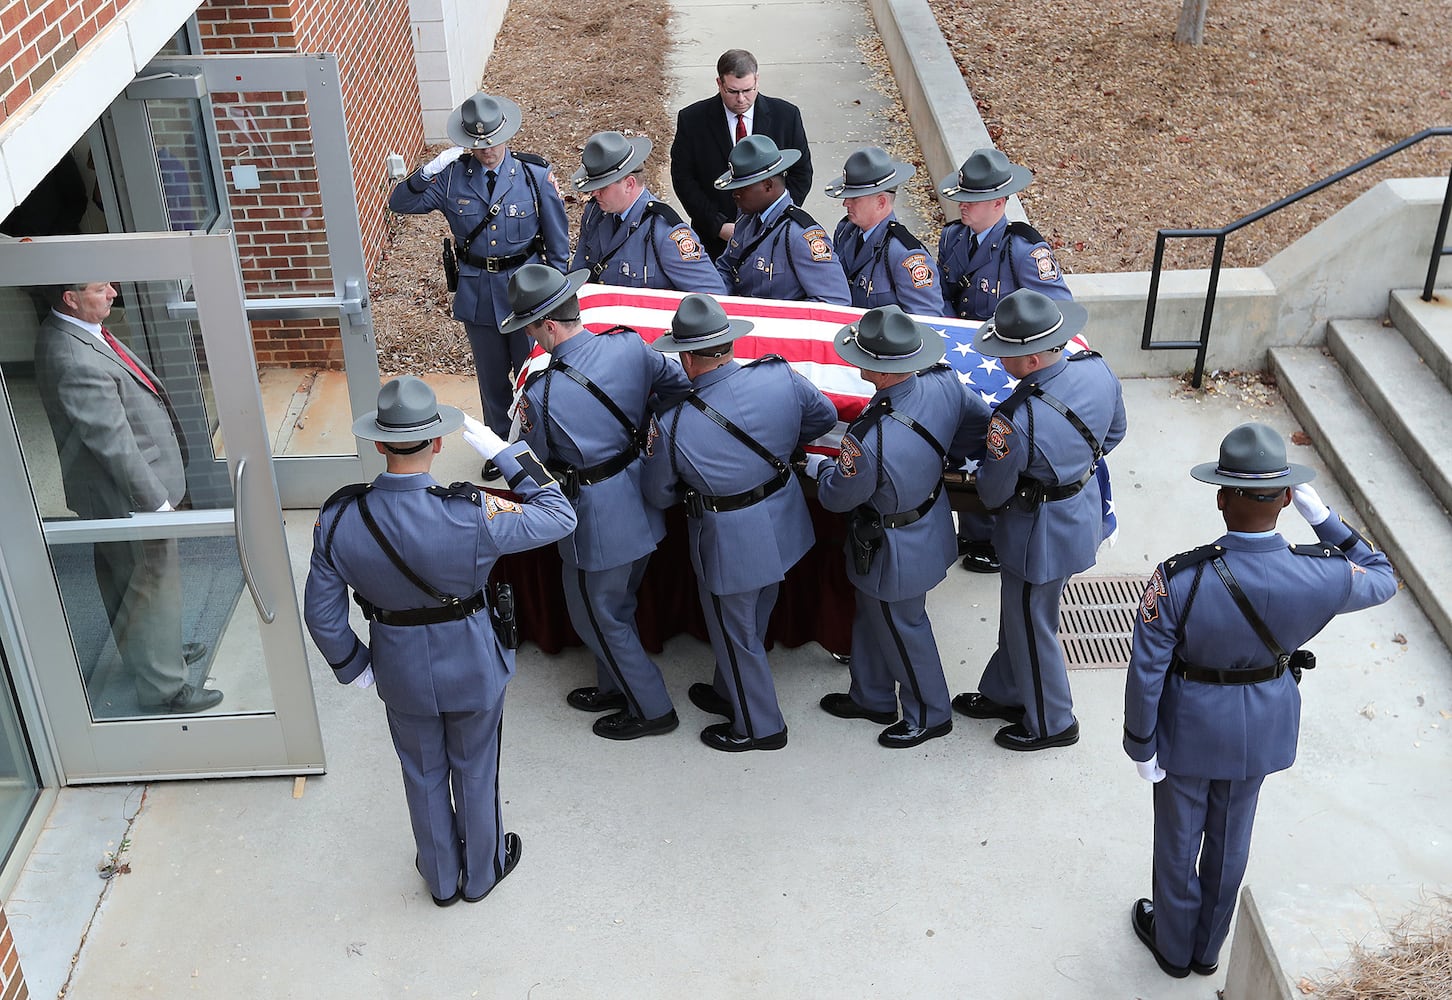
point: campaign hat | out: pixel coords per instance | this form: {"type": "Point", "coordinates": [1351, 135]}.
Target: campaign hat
{"type": "Point", "coordinates": [888, 340]}
{"type": "Point", "coordinates": [1027, 322]}
{"type": "Point", "coordinates": [535, 291]}
{"type": "Point", "coordinates": [700, 323]}
{"type": "Point", "coordinates": [753, 159]}
{"type": "Point", "coordinates": [482, 121]}
{"type": "Point", "coordinates": [870, 171]}
{"type": "Point", "coordinates": [607, 157]}
{"type": "Point", "coordinates": [1253, 456]}
{"type": "Point", "coordinates": [985, 175]}
{"type": "Point", "coordinates": [407, 410]}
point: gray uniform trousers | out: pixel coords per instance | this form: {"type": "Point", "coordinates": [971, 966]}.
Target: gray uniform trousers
{"type": "Point", "coordinates": [892, 641]}
{"type": "Point", "coordinates": [1027, 668]}
{"type": "Point", "coordinates": [602, 604]}
{"type": "Point", "coordinates": [737, 624]}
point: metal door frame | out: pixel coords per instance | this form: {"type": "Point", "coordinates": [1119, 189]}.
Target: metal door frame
{"type": "Point", "coordinates": [288, 739]}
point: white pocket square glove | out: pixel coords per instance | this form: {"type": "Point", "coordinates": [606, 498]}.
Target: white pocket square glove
{"type": "Point", "coordinates": [478, 436]}
{"type": "Point", "coordinates": [1150, 770]}
{"type": "Point", "coordinates": [363, 680]}
{"type": "Point", "coordinates": [1308, 504]}
{"type": "Point", "coordinates": [815, 463]}
{"type": "Point", "coordinates": [436, 166]}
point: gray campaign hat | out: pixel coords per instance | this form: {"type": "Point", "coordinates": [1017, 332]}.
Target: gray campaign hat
{"type": "Point", "coordinates": [889, 340]}
{"type": "Point", "coordinates": [985, 175]}
{"type": "Point", "coordinates": [607, 157]}
{"type": "Point", "coordinates": [753, 159]}
{"type": "Point", "coordinates": [1253, 456]}
{"type": "Point", "coordinates": [483, 121]}
{"type": "Point", "coordinates": [536, 290]}
{"type": "Point", "coordinates": [699, 323]}
{"type": "Point", "coordinates": [1027, 322]}
{"type": "Point", "coordinates": [407, 410]}
{"type": "Point", "coordinates": [870, 171]}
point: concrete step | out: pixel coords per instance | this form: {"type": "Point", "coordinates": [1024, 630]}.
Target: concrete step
{"type": "Point", "coordinates": [1401, 513]}
{"type": "Point", "coordinates": [1427, 327]}
{"type": "Point", "coordinates": [1406, 396]}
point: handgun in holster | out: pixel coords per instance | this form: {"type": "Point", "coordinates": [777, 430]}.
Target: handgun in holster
{"type": "Point", "coordinates": [1300, 660]}
{"type": "Point", "coordinates": [502, 616]}
{"type": "Point", "coordinates": [864, 537]}
{"type": "Point", "coordinates": [695, 506]}
{"type": "Point", "coordinates": [569, 479]}
{"type": "Point", "coordinates": [451, 265]}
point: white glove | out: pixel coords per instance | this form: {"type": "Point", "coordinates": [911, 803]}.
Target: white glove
{"type": "Point", "coordinates": [1309, 505]}
{"type": "Point", "coordinates": [436, 166]}
{"type": "Point", "coordinates": [815, 463]}
{"type": "Point", "coordinates": [363, 680]}
{"type": "Point", "coordinates": [165, 506]}
{"type": "Point", "coordinates": [478, 436]}
{"type": "Point", "coordinates": [1150, 770]}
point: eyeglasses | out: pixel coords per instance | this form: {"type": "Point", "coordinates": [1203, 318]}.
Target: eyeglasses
{"type": "Point", "coordinates": [744, 91]}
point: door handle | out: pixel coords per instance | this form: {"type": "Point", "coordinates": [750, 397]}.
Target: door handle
{"type": "Point", "coordinates": [267, 616]}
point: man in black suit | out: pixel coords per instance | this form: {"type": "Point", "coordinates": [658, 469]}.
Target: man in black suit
{"type": "Point", "coordinates": [705, 133]}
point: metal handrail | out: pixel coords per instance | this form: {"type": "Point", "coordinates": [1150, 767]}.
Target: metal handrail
{"type": "Point", "coordinates": [1202, 345]}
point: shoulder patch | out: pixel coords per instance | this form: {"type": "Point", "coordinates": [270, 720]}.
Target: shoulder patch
{"type": "Point", "coordinates": [817, 244]}
{"type": "Point", "coordinates": [1318, 550]}
{"type": "Point", "coordinates": [1000, 429]}
{"type": "Point", "coordinates": [1194, 557]}
{"type": "Point", "coordinates": [685, 242]}
{"type": "Point", "coordinates": [1048, 266]}
{"type": "Point", "coordinates": [848, 455]}
{"type": "Point", "coordinates": [494, 504]}
{"type": "Point", "coordinates": [1149, 604]}
{"type": "Point", "coordinates": [918, 270]}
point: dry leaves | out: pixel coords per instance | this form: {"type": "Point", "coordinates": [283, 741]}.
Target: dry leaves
{"type": "Point", "coordinates": [1415, 964]}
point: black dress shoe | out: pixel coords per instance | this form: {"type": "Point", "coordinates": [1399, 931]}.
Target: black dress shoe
{"type": "Point", "coordinates": [980, 557]}
{"type": "Point", "coordinates": [193, 651]}
{"type": "Point", "coordinates": [513, 848]}
{"type": "Point", "coordinates": [489, 473]}
{"type": "Point", "coordinates": [704, 697]}
{"type": "Point", "coordinates": [843, 658]}
{"type": "Point", "coordinates": [843, 707]}
{"type": "Point", "coordinates": [901, 735]}
{"type": "Point", "coordinates": [437, 901]}
{"type": "Point", "coordinates": [1201, 969]}
{"type": "Point", "coordinates": [1142, 916]}
{"type": "Point", "coordinates": [592, 699]}
{"type": "Point", "coordinates": [720, 737]}
{"type": "Point", "coordinates": [980, 706]}
{"type": "Point", "coordinates": [624, 726]}
{"type": "Point", "coordinates": [188, 699]}
{"type": "Point", "coordinates": [1016, 737]}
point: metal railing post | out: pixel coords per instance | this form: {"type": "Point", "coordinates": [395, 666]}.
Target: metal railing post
{"type": "Point", "coordinates": [1439, 247]}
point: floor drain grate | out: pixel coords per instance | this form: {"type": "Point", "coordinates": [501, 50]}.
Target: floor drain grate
{"type": "Point", "coordinates": [1096, 618]}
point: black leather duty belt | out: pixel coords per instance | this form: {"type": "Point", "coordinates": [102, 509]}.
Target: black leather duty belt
{"type": "Point", "coordinates": [599, 472]}
{"type": "Point", "coordinates": [496, 264]}
{"type": "Point", "coordinates": [907, 517]}
{"type": "Point", "coordinates": [740, 501]}
{"type": "Point", "coordinates": [1034, 492]}
{"type": "Point", "coordinates": [1212, 675]}
{"type": "Point", "coordinates": [470, 605]}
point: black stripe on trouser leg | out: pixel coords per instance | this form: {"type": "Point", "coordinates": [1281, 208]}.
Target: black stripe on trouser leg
{"type": "Point", "coordinates": [606, 652]}
{"type": "Point", "coordinates": [1033, 655]}
{"type": "Point", "coordinates": [735, 667]}
{"type": "Point", "coordinates": [498, 812]}
{"type": "Point", "coordinates": [906, 660]}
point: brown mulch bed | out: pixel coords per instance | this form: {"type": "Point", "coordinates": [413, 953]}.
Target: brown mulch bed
{"type": "Point", "coordinates": [1128, 132]}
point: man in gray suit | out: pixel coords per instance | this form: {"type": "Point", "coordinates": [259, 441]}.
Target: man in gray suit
{"type": "Point", "coordinates": [121, 450]}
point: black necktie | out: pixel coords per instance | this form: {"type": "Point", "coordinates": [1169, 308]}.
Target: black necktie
{"type": "Point", "coordinates": [861, 241]}
{"type": "Point", "coordinates": [492, 177]}
{"type": "Point", "coordinates": [972, 244]}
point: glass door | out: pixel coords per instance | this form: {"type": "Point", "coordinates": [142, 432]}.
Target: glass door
{"type": "Point", "coordinates": [156, 601]}
{"type": "Point", "coordinates": [258, 144]}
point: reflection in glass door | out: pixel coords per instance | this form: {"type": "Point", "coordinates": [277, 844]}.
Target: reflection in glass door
{"type": "Point", "coordinates": [19, 786]}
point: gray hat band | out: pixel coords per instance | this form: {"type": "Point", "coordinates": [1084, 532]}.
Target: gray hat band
{"type": "Point", "coordinates": [883, 357]}
{"type": "Point", "coordinates": [477, 129]}
{"type": "Point", "coordinates": [703, 335]}
{"type": "Point", "coordinates": [954, 190]}
{"type": "Point", "coordinates": [629, 152]}
{"type": "Point", "coordinates": [1233, 474]}
{"type": "Point", "coordinates": [417, 425]}
{"type": "Point", "coordinates": [756, 173]}
{"type": "Point", "coordinates": [995, 332]}
{"type": "Point", "coordinates": [543, 307]}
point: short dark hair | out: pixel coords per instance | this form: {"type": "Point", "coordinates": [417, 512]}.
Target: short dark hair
{"type": "Point", "coordinates": [54, 295]}
{"type": "Point", "coordinates": [712, 353]}
{"type": "Point", "coordinates": [736, 62]}
{"type": "Point", "coordinates": [567, 311]}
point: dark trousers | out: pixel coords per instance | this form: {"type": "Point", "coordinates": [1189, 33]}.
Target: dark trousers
{"type": "Point", "coordinates": [893, 646]}
{"type": "Point", "coordinates": [602, 610]}
{"type": "Point", "coordinates": [140, 584]}
{"type": "Point", "coordinates": [498, 357]}
{"type": "Point", "coordinates": [1028, 666]}
{"type": "Point", "coordinates": [737, 626]}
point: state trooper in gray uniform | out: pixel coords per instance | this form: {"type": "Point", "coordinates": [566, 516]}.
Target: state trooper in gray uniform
{"type": "Point", "coordinates": [503, 210]}
{"type": "Point", "coordinates": [884, 262]}
{"type": "Point", "coordinates": [777, 250]}
{"type": "Point", "coordinates": [982, 257]}
{"type": "Point", "coordinates": [889, 474]}
{"type": "Point", "coordinates": [418, 557]}
{"type": "Point", "coordinates": [725, 452]}
{"type": "Point", "coordinates": [627, 237]}
{"type": "Point", "coordinates": [1037, 476]}
{"type": "Point", "coordinates": [1211, 703]}
{"type": "Point", "coordinates": [585, 416]}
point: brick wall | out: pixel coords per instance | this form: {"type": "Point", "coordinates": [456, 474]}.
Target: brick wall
{"type": "Point", "coordinates": [38, 37]}
{"type": "Point", "coordinates": [12, 978]}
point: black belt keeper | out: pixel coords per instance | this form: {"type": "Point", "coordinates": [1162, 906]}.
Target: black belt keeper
{"type": "Point", "coordinates": [738, 501]}
{"type": "Point", "coordinates": [919, 512]}
{"type": "Point", "coordinates": [496, 264]}
{"type": "Point", "coordinates": [1211, 675]}
{"type": "Point", "coordinates": [470, 605]}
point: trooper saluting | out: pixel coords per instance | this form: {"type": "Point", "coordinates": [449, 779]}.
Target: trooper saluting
{"type": "Point", "coordinates": [503, 210]}
{"type": "Point", "coordinates": [1211, 703]}
{"type": "Point", "coordinates": [418, 556]}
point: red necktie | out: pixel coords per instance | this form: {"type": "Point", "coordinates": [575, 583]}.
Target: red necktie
{"type": "Point", "coordinates": [740, 127]}
{"type": "Point", "coordinates": [127, 360]}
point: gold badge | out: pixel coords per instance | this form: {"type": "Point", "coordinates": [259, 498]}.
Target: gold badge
{"type": "Point", "coordinates": [998, 434]}
{"type": "Point", "coordinates": [918, 270]}
{"type": "Point", "coordinates": [686, 244]}
{"type": "Point", "coordinates": [1048, 267]}
{"type": "Point", "coordinates": [817, 243]}
{"type": "Point", "coordinates": [1149, 605]}
{"type": "Point", "coordinates": [494, 504]}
